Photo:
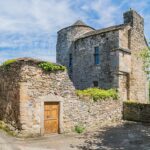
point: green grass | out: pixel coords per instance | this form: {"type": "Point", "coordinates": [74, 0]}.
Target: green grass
{"type": "Point", "coordinates": [47, 66]}
{"type": "Point", "coordinates": [5, 128]}
{"type": "Point", "coordinates": [8, 63]}
{"type": "Point", "coordinates": [79, 128]}
{"type": "Point", "coordinates": [98, 94]}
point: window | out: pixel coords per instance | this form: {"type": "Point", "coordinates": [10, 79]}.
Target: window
{"type": "Point", "coordinates": [70, 61]}
{"type": "Point", "coordinates": [96, 56]}
{"type": "Point", "coordinates": [95, 83]}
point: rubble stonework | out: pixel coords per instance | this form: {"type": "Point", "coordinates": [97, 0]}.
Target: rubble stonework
{"type": "Point", "coordinates": [120, 66]}
{"type": "Point", "coordinates": [24, 89]}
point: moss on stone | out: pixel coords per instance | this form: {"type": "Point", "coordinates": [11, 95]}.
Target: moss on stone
{"type": "Point", "coordinates": [9, 62]}
{"type": "Point", "coordinates": [6, 64]}
{"type": "Point", "coordinates": [133, 102]}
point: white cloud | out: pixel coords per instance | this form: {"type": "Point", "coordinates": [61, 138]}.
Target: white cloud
{"type": "Point", "coordinates": [23, 15]}
{"type": "Point", "coordinates": [32, 25]}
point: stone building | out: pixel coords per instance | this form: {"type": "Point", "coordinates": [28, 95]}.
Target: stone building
{"type": "Point", "coordinates": [38, 102]}
{"type": "Point", "coordinates": [106, 58]}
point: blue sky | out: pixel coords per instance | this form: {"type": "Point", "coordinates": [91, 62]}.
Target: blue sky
{"type": "Point", "coordinates": [29, 27]}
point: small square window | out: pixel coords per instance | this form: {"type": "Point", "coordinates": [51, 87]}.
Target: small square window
{"type": "Point", "coordinates": [95, 83]}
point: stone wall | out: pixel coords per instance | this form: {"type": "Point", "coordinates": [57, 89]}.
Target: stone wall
{"type": "Point", "coordinates": [91, 114]}
{"type": "Point", "coordinates": [127, 37]}
{"type": "Point", "coordinates": [28, 87]}
{"type": "Point", "coordinates": [84, 69]}
{"type": "Point", "coordinates": [65, 40]}
{"type": "Point", "coordinates": [9, 95]}
{"type": "Point", "coordinates": [136, 112]}
{"type": "Point", "coordinates": [39, 86]}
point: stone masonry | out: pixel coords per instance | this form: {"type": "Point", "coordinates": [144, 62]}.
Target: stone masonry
{"type": "Point", "coordinates": [24, 87]}
{"type": "Point", "coordinates": [119, 66]}
{"type": "Point", "coordinates": [136, 112]}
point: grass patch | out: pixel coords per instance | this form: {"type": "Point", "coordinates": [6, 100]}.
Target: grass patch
{"type": "Point", "coordinates": [4, 127]}
{"type": "Point", "coordinates": [47, 66]}
{"type": "Point", "coordinates": [7, 63]}
{"type": "Point", "coordinates": [79, 128]}
{"type": "Point", "coordinates": [97, 94]}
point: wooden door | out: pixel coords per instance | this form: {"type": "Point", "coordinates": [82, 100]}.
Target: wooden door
{"type": "Point", "coordinates": [51, 117]}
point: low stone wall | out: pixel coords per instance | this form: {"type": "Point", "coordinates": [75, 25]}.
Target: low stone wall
{"type": "Point", "coordinates": [136, 112]}
{"type": "Point", "coordinates": [91, 114]}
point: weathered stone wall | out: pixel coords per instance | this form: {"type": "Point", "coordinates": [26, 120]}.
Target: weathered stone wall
{"type": "Point", "coordinates": [37, 86]}
{"type": "Point", "coordinates": [136, 112]}
{"type": "Point", "coordinates": [128, 38]}
{"type": "Point", "coordinates": [9, 95]}
{"type": "Point", "coordinates": [24, 89]}
{"type": "Point", "coordinates": [65, 40]}
{"type": "Point", "coordinates": [138, 79]}
{"type": "Point", "coordinates": [120, 63]}
{"type": "Point", "coordinates": [91, 114]}
{"type": "Point", "coordinates": [124, 40]}
{"type": "Point", "coordinates": [84, 69]}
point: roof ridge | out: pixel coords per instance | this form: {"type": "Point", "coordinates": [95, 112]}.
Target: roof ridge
{"type": "Point", "coordinates": [99, 31]}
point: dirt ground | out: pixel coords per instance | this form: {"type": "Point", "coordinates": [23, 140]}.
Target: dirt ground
{"type": "Point", "coordinates": [117, 136]}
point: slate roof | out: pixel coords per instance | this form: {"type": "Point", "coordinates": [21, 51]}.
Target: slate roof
{"type": "Point", "coordinates": [100, 31]}
{"type": "Point", "coordinates": [79, 23]}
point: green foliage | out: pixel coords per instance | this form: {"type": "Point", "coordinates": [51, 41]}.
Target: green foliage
{"type": "Point", "coordinates": [145, 55]}
{"type": "Point", "coordinates": [5, 128]}
{"type": "Point", "coordinates": [98, 94]}
{"type": "Point", "coordinates": [79, 128]}
{"type": "Point", "coordinates": [8, 63]}
{"type": "Point", "coordinates": [47, 66]}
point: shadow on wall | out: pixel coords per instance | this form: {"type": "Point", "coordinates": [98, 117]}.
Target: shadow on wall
{"type": "Point", "coordinates": [126, 136]}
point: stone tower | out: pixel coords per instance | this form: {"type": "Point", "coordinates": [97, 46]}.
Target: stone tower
{"type": "Point", "coordinates": [65, 39]}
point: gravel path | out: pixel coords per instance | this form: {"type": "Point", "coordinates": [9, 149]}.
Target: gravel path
{"type": "Point", "coordinates": [117, 136]}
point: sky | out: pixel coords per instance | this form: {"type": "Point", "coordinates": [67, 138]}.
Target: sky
{"type": "Point", "coordinates": [29, 27]}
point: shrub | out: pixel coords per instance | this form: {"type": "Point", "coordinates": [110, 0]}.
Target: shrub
{"type": "Point", "coordinates": [98, 94]}
{"type": "Point", "coordinates": [79, 128]}
{"type": "Point", "coordinates": [47, 66]}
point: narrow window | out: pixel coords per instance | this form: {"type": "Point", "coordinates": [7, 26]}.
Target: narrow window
{"type": "Point", "coordinates": [70, 61]}
{"type": "Point", "coordinates": [96, 56]}
{"type": "Point", "coordinates": [95, 83]}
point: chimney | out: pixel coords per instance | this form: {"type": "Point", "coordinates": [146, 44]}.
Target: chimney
{"type": "Point", "coordinates": [134, 19]}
